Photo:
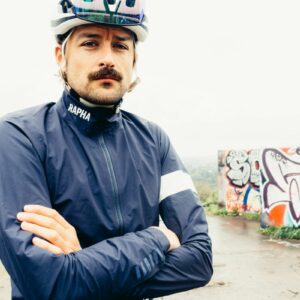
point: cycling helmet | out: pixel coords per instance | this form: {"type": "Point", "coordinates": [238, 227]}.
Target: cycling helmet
{"type": "Point", "coordinates": [128, 14]}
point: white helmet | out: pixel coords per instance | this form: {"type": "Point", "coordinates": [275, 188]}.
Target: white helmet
{"type": "Point", "coordinates": [125, 13]}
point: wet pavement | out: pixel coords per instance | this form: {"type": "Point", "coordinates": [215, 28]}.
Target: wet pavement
{"type": "Point", "coordinates": [247, 265]}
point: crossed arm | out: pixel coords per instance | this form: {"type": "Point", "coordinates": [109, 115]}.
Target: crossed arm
{"type": "Point", "coordinates": [56, 235]}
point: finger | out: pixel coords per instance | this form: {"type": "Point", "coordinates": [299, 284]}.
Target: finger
{"type": "Point", "coordinates": [47, 212]}
{"type": "Point", "coordinates": [46, 246]}
{"type": "Point", "coordinates": [41, 221]}
{"type": "Point", "coordinates": [48, 234]}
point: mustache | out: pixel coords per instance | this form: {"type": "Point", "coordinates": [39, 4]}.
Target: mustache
{"type": "Point", "coordinates": [105, 73]}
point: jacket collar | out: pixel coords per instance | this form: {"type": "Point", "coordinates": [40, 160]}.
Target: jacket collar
{"type": "Point", "coordinates": [89, 120]}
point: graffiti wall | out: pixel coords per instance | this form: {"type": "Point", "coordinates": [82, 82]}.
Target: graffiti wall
{"type": "Point", "coordinates": [265, 181]}
{"type": "Point", "coordinates": [239, 180]}
{"type": "Point", "coordinates": [281, 186]}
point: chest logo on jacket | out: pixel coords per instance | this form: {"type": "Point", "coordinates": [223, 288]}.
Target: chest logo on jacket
{"type": "Point", "coordinates": [81, 113]}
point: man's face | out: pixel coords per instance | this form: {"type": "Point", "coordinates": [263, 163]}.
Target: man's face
{"type": "Point", "coordinates": [99, 63]}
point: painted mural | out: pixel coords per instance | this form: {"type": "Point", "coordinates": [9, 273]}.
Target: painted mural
{"type": "Point", "coordinates": [239, 180]}
{"type": "Point", "coordinates": [281, 186]}
{"type": "Point", "coordinates": [265, 181]}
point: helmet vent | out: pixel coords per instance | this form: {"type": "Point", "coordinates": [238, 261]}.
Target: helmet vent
{"type": "Point", "coordinates": [65, 4]}
{"type": "Point", "coordinates": [130, 3]}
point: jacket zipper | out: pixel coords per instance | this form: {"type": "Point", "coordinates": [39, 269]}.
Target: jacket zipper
{"type": "Point", "coordinates": [113, 183]}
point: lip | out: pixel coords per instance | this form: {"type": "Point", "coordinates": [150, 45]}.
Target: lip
{"type": "Point", "coordinates": [107, 80]}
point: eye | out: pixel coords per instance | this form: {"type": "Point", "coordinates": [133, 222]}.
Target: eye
{"type": "Point", "coordinates": [120, 46]}
{"type": "Point", "coordinates": [89, 44]}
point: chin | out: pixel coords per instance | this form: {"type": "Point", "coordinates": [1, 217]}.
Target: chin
{"type": "Point", "coordinates": [102, 96]}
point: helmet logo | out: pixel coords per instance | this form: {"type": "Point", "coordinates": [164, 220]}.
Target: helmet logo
{"type": "Point", "coordinates": [113, 6]}
{"type": "Point", "coordinates": [108, 5]}
{"type": "Point", "coordinates": [109, 11]}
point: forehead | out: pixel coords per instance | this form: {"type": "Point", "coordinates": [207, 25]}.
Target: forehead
{"type": "Point", "coordinates": [103, 30]}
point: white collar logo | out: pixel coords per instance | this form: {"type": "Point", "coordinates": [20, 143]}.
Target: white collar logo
{"type": "Point", "coordinates": [79, 112]}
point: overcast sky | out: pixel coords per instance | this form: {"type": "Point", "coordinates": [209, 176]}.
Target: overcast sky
{"type": "Point", "coordinates": [215, 74]}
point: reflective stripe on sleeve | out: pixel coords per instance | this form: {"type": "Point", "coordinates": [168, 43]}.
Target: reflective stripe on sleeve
{"type": "Point", "coordinates": [174, 183]}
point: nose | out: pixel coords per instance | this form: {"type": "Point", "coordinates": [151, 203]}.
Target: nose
{"type": "Point", "coordinates": [106, 58]}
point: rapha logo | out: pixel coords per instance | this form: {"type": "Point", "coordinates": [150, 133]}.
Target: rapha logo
{"type": "Point", "coordinates": [81, 113]}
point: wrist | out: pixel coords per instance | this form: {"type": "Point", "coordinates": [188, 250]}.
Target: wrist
{"type": "Point", "coordinates": [160, 237]}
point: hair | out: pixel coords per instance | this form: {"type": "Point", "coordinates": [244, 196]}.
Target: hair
{"type": "Point", "coordinates": [61, 37]}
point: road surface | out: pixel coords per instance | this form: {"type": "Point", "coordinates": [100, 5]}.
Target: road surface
{"type": "Point", "coordinates": [247, 265]}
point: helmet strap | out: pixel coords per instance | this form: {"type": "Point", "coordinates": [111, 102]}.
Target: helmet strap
{"type": "Point", "coordinates": [63, 50]}
{"type": "Point", "coordinates": [134, 84]}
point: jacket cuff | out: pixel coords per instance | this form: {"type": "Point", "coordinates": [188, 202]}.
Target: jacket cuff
{"type": "Point", "coordinates": [161, 238]}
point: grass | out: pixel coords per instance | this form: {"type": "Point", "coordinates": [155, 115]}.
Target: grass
{"type": "Point", "coordinates": [212, 206]}
{"type": "Point", "coordinates": [251, 216]}
{"type": "Point", "coordinates": [290, 233]}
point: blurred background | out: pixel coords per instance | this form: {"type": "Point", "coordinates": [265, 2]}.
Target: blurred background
{"type": "Point", "coordinates": [215, 75]}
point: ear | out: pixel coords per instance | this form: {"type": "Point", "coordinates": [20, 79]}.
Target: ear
{"type": "Point", "coordinates": [58, 54]}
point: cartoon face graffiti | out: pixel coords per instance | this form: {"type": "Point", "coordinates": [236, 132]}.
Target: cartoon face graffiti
{"type": "Point", "coordinates": [281, 189]}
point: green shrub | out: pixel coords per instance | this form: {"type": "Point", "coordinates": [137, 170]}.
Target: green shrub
{"type": "Point", "coordinates": [251, 216]}
{"type": "Point", "coordinates": [284, 232]}
{"type": "Point", "coordinates": [222, 212]}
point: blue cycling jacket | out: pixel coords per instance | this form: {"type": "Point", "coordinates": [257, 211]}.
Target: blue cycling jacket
{"type": "Point", "coordinates": [110, 174]}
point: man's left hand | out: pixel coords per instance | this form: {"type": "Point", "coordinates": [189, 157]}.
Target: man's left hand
{"type": "Point", "coordinates": [54, 233]}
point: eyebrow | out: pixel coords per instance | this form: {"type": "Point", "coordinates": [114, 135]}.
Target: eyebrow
{"type": "Point", "coordinates": [123, 38]}
{"type": "Point", "coordinates": [88, 35]}
{"type": "Point", "coordinates": [99, 36]}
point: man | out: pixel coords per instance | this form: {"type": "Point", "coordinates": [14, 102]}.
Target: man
{"type": "Point", "coordinates": [83, 183]}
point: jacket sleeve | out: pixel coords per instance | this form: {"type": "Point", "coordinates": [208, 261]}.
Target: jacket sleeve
{"type": "Point", "coordinates": [105, 270]}
{"type": "Point", "coordinates": [190, 265]}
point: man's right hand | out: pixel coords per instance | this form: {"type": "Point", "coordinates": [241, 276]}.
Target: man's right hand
{"type": "Point", "coordinates": [53, 232]}
{"type": "Point", "coordinates": [171, 236]}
